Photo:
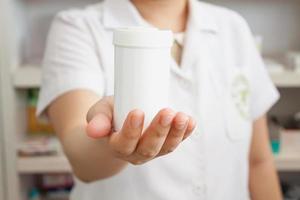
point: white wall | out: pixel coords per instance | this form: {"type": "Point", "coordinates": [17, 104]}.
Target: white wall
{"type": "Point", "coordinates": [277, 20]}
{"type": "Point", "coordinates": [1, 123]}
{"type": "Point", "coordinates": [36, 19]}
{"type": "Point", "coordinates": [1, 149]}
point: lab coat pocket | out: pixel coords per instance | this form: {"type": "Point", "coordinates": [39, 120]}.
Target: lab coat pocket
{"type": "Point", "coordinates": [237, 106]}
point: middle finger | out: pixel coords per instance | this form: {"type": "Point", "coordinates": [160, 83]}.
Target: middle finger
{"type": "Point", "coordinates": [154, 136]}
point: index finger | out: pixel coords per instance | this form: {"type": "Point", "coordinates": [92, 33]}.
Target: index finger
{"type": "Point", "coordinates": [125, 141]}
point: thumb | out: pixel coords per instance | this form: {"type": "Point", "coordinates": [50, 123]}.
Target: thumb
{"type": "Point", "coordinates": [99, 126]}
{"type": "Point", "coordinates": [99, 118]}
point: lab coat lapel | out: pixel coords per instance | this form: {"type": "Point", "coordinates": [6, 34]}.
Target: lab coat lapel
{"type": "Point", "coordinates": [212, 81]}
{"type": "Point", "coordinates": [202, 52]}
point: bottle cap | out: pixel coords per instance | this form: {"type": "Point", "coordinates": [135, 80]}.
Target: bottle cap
{"type": "Point", "coordinates": [143, 37]}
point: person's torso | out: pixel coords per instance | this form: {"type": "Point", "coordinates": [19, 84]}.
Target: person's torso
{"type": "Point", "coordinates": [211, 164]}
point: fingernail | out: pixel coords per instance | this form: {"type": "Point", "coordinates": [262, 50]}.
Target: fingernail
{"type": "Point", "coordinates": [166, 120]}
{"type": "Point", "coordinates": [99, 126]}
{"type": "Point", "coordinates": [182, 122]}
{"type": "Point", "coordinates": [137, 120]}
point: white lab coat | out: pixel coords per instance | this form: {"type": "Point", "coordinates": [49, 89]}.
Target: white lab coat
{"type": "Point", "coordinates": [221, 82]}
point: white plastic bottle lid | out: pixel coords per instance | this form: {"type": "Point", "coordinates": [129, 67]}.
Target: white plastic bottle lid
{"type": "Point", "coordinates": [143, 37]}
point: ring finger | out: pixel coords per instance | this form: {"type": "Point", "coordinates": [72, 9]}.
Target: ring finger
{"type": "Point", "coordinates": [176, 134]}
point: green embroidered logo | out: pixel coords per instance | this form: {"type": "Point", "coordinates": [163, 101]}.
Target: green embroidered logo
{"type": "Point", "coordinates": [240, 94]}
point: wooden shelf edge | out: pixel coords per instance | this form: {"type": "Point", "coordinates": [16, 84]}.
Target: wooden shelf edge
{"type": "Point", "coordinates": [43, 164]}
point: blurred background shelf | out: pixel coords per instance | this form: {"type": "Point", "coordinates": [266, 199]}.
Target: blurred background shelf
{"type": "Point", "coordinates": [27, 77]}
{"type": "Point", "coordinates": [286, 78]}
{"type": "Point", "coordinates": [288, 162]}
{"type": "Point", "coordinates": [59, 164]}
{"type": "Point", "coordinates": [25, 24]}
{"type": "Point", "coordinates": [30, 77]}
{"type": "Point", "coordinates": [43, 164]}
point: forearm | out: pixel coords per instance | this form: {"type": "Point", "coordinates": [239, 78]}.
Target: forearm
{"type": "Point", "coordinates": [264, 182]}
{"type": "Point", "coordinates": [91, 159]}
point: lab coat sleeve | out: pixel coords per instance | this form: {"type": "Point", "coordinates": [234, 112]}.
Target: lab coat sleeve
{"type": "Point", "coordinates": [263, 92]}
{"type": "Point", "coordinates": [70, 60]}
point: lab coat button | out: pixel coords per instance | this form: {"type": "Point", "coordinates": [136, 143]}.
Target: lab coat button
{"type": "Point", "coordinates": [184, 84]}
{"type": "Point", "coordinates": [198, 189]}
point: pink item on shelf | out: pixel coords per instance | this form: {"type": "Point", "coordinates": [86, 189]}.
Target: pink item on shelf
{"type": "Point", "coordinates": [55, 181]}
{"type": "Point", "coordinates": [39, 146]}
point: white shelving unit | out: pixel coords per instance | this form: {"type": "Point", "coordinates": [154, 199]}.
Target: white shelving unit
{"type": "Point", "coordinates": [43, 164]}
{"type": "Point", "coordinates": [24, 39]}
{"type": "Point", "coordinates": [287, 79]}
{"type": "Point", "coordinates": [285, 162]}
{"type": "Point", "coordinates": [288, 162]}
{"type": "Point", "coordinates": [24, 25]}
{"type": "Point", "coordinates": [30, 77]}
{"type": "Point", "coordinates": [27, 77]}
{"type": "Point", "coordinates": [1, 150]}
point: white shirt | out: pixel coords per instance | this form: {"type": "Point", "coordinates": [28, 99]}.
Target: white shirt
{"type": "Point", "coordinates": [179, 38]}
{"type": "Point", "coordinates": [222, 82]}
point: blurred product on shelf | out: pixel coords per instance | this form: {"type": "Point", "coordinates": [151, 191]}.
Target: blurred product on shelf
{"type": "Point", "coordinates": [293, 122]}
{"type": "Point", "coordinates": [275, 130]}
{"type": "Point", "coordinates": [285, 133]}
{"type": "Point", "coordinates": [55, 186]}
{"type": "Point", "coordinates": [293, 60]}
{"type": "Point", "coordinates": [34, 194]}
{"type": "Point", "coordinates": [51, 187]}
{"type": "Point", "coordinates": [290, 141]}
{"type": "Point", "coordinates": [39, 146]}
{"type": "Point", "coordinates": [259, 41]}
{"type": "Point", "coordinates": [36, 126]}
{"type": "Point", "coordinates": [273, 66]}
{"type": "Point", "coordinates": [48, 182]}
{"type": "Point", "coordinates": [290, 191]}
{"type": "Point", "coordinates": [297, 117]}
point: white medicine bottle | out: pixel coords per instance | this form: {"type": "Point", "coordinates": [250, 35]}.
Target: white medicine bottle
{"type": "Point", "coordinates": [142, 72]}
